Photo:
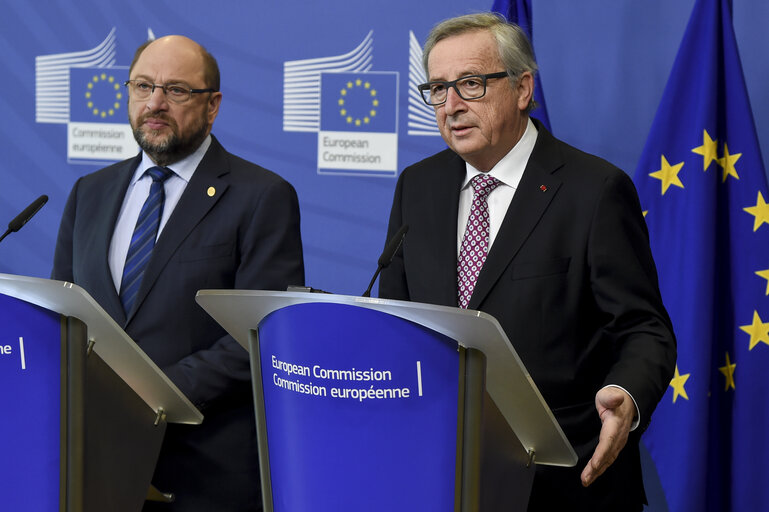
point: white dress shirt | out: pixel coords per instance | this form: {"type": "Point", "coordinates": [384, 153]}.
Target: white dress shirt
{"type": "Point", "coordinates": [138, 190]}
{"type": "Point", "coordinates": [508, 171]}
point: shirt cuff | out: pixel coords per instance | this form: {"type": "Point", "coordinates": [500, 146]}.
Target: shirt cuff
{"type": "Point", "coordinates": [637, 418]}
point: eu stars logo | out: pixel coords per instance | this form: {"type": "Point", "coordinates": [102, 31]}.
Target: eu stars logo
{"type": "Point", "coordinates": [98, 130]}
{"type": "Point", "coordinates": [97, 95]}
{"type": "Point", "coordinates": [362, 115]}
{"type": "Point", "coordinates": [358, 124]}
{"type": "Point", "coordinates": [109, 89]}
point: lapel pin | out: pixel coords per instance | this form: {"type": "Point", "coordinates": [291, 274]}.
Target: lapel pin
{"type": "Point", "coordinates": [211, 191]}
{"type": "Point", "coordinates": [543, 188]}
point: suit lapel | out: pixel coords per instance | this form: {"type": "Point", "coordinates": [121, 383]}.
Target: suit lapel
{"type": "Point", "coordinates": [537, 189]}
{"type": "Point", "coordinates": [194, 204]}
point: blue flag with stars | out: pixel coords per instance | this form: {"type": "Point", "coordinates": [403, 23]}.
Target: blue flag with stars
{"type": "Point", "coordinates": [97, 95]}
{"type": "Point", "coordinates": [704, 189]}
{"type": "Point", "coordinates": [359, 102]}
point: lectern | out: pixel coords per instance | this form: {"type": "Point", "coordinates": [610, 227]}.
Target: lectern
{"type": "Point", "coordinates": [84, 410]}
{"type": "Point", "coordinates": [381, 405]}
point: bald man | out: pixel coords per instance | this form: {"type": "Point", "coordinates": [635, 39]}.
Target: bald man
{"type": "Point", "coordinates": [144, 235]}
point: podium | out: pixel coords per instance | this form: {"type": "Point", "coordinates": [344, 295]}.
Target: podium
{"type": "Point", "coordinates": [374, 404]}
{"type": "Point", "coordinates": [84, 409]}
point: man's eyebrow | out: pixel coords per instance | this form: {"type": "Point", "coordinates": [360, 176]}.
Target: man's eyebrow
{"type": "Point", "coordinates": [173, 81]}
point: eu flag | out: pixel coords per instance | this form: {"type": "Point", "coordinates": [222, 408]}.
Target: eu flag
{"type": "Point", "coordinates": [97, 95]}
{"type": "Point", "coordinates": [359, 102]}
{"type": "Point", "coordinates": [702, 182]}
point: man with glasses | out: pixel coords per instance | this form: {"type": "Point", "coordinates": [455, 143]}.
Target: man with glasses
{"type": "Point", "coordinates": [144, 235]}
{"type": "Point", "coordinates": [549, 240]}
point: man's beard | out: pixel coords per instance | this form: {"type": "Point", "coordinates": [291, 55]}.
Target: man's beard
{"type": "Point", "coordinates": [173, 148]}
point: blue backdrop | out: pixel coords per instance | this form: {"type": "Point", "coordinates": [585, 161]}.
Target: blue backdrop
{"type": "Point", "coordinates": [603, 66]}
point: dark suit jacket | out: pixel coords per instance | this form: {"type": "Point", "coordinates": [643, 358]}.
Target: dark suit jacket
{"type": "Point", "coordinates": [571, 279]}
{"type": "Point", "coordinates": [246, 237]}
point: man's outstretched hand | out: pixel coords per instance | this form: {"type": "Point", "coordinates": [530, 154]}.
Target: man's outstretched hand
{"type": "Point", "coordinates": [616, 409]}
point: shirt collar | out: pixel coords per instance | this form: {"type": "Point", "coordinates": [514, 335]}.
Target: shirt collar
{"type": "Point", "coordinates": [184, 168]}
{"type": "Point", "coordinates": [510, 169]}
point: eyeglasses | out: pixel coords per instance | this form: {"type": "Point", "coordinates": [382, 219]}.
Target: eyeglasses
{"type": "Point", "coordinates": [175, 93]}
{"type": "Point", "coordinates": [471, 87]}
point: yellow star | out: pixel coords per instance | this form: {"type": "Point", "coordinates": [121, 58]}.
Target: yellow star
{"type": "Point", "coordinates": [668, 174]}
{"type": "Point", "coordinates": [708, 150]}
{"type": "Point", "coordinates": [728, 372]}
{"type": "Point", "coordinates": [759, 331]}
{"type": "Point", "coordinates": [765, 275]}
{"type": "Point", "coordinates": [677, 383]}
{"type": "Point", "coordinates": [760, 212]}
{"type": "Point", "coordinates": [727, 162]}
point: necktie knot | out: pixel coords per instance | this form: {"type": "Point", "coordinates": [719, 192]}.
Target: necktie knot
{"type": "Point", "coordinates": [483, 184]}
{"type": "Point", "coordinates": [159, 174]}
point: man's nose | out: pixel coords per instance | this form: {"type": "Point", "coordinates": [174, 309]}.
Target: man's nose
{"type": "Point", "coordinates": [157, 99]}
{"type": "Point", "coordinates": [454, 102]}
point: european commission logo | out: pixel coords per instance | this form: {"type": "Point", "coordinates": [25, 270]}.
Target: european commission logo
{"type": "Point", "coordinates": [84, 91]}
{"type": "Point", "coordinates": [358, 123]}
{"type": "Point", "coordinates": [97, 95]}
{"type": "Point", "coordinates": [353, 110]}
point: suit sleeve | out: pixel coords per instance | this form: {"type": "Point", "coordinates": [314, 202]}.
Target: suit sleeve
{"type": "Point", "coordinates": [62, 258]}
{"type": "Point", "coordinates": [270, 259]}
{"type": "Point", "coordinates": [392, 282]}
{"type": "Point", "coordinates": [625, 287]}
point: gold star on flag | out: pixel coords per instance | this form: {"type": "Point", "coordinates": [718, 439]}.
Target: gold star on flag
{"type": "Point", "coordinates": [765, 275]}
{"type": "Point", "coordinates": [758, 331]}
{"type": "Point", "coordinates": [727, 162]}
{"type": "Point", "coordinates": [708, 150]}
{"type": "Point", "coordinates": [760, 211]}
{"type": "Point", "coordinates": [728, 371]}
{"type": "Point", "coordinates": [677, 383]}
{"type": "Point", "coordinates": [668, 174]}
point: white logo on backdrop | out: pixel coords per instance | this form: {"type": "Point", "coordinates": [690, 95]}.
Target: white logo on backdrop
{"type": "Point", "coordinates": [84, 90]}
{"type": "Point", "coordinates": [353, 109]}
{"type": "Point", "coordinates": [301, 84]}
{"type": "Point", "coordinates": [421, 115]}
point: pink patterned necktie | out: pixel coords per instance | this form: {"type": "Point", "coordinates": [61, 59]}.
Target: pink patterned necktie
{"type": "Point", "coordinates": [475, 243]}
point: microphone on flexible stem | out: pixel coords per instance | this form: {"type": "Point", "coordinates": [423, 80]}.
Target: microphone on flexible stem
{"type": "Point", "coordinates": [387, 255]}
{"type": "Point", "coordinates": [18, 222]}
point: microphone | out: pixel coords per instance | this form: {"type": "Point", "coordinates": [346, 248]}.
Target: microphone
{"type": "Point", "coordinates": [387, 255]}
{"type": "Point", "coordinates": [18, 222]}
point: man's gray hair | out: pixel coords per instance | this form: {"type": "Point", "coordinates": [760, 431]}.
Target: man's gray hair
{"type": "Point", "coordinates": [514, 47]}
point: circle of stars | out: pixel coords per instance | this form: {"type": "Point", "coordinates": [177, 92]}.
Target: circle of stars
{"type": "Point", "coordinates": [353, 87]}
{"type": "Point", "coordinates": [101, 81]}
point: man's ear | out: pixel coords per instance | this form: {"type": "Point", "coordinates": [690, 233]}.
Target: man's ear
{"type": "Point", "coordinates": [525, 90]}
{"type": "Point", "coordinates": [213, 106]}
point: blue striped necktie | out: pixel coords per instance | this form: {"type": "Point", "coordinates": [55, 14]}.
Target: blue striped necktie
{"type": "Point", "coordinates": [143, 239]}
